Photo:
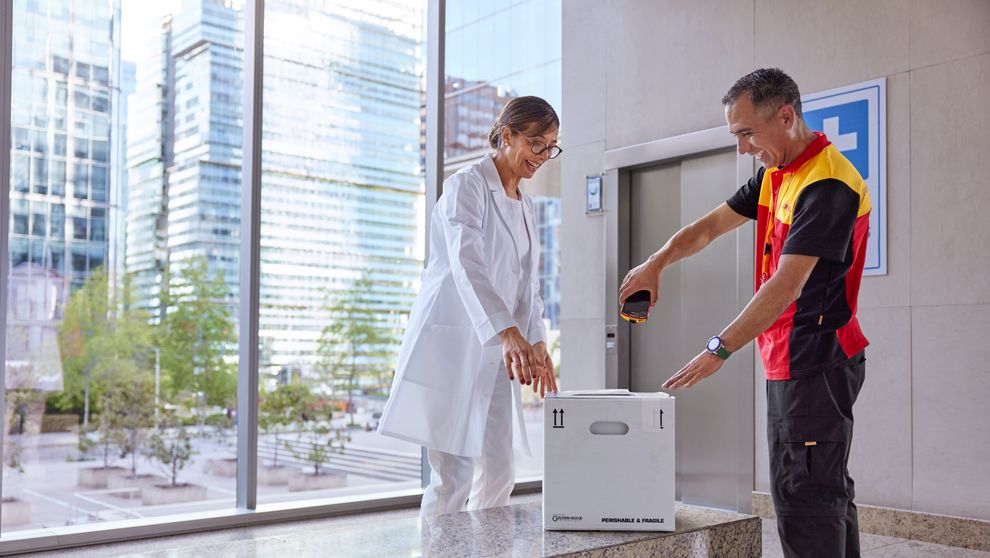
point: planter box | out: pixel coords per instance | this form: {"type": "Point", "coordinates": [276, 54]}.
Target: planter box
{"type": "Point", "coordinates": [15, 512]}
{"type": "Point", "coordinates": [140, 481]}
{"type": "Point", "coordinates": [276, 476]}
{"type": "Point", "coordinates": [97, 477]}
{"type": "Point", "coordinates": [160, 494]}
{"type": "Point", "coordinates": [221, 467]}
{"type": "Point", "coordinates": [309, 481]}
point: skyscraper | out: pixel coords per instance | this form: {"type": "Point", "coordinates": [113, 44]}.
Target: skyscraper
{"type": "Point", "coordinates": [63, 59]}
{"type": "Point", "coordinates": [342, 190]}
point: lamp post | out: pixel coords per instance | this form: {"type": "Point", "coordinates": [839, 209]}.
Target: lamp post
{"type": "Point", "coordinates": [158, 358]}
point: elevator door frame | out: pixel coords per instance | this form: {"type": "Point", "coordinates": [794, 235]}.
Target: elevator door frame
{"type": "Point", "coordinates": [619, 165]}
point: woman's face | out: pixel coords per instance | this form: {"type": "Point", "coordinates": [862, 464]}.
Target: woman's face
{"type": "Point", "coordinates": [518, 149]}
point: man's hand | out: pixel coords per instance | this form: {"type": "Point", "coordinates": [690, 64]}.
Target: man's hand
{"type": "Point", "coordinates": [700, 367]}
{"type": "Point", "coordinates": [544, 379]}
{"type": "Point", "coordinates": [644, 277]}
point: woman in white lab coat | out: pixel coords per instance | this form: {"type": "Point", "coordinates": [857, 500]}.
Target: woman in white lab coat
{"type": "Point", "coordinates": [476, 329]}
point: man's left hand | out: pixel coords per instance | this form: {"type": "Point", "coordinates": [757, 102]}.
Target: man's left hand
{"type": "Point", "coordinates": [700, 367]}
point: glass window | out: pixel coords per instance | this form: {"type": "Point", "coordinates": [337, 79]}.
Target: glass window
{"type": "Point", "coordinates": [39, 221]}
{"type": "Point", "coordinates": [82, 70]}
{"type": "Point", "coordinates": [60, 65]}
{"type": "Point", "coordinates": [21, 175]}
{"type": "Point", "coordinates": [101, 75]}
{"type": "Point", "coordinates": [80, 147]}
{"type": "Point", "coordinates": [81, 99]}
{"type": "Point", "coordinates": [99, 152]}
{"type": "Point", "coordinates": [80, 181]}
{"type": "Point", "coordinates": [40, 175]}
{"type": "Point", "coordinates": [97, 229]}
{"type": "Point", "coordinates": [480, 80]}
{"type": "Point", "coordinates": [331, 320]}
{"type": "Point", "coordinates": [57, 178]}
{"type": "Point", "coordinates": [18, 251]}
{"type": "Point", "coordinates": [22, 139]}
{"type": "Point", "coordinates": [59, 147]}
{"type": "Point", "coordinates": [101, 103]}
{"type": "Point", "coordinates": [98, 182]}
{"type": "Point", "coordinates": [79, 228]}
{"type": "Point", "coordinates": [39, 142]}
{"type": "Point", "coordinates": [58, 221]}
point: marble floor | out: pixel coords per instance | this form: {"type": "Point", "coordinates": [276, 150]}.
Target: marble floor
{"type": "Point", "coordinates": [293, 540]}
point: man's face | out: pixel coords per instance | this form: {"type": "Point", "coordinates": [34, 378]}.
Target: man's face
{"type": "Point", "coordinates": [761, 133]}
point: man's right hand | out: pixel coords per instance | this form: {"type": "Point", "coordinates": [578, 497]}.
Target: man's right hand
{"type": "Point", "coordinates": [644, 277]}
{"type": "Point", "coordinates": [518, 355]}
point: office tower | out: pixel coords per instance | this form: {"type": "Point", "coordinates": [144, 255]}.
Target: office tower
{"type": "Point", "coordinates": [64, 54]}
{"type": "Point", "coordinates": [342, 188]}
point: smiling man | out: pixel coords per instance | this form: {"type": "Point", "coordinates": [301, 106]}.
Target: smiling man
{"type": "Point", "coordinates": [812, 217]}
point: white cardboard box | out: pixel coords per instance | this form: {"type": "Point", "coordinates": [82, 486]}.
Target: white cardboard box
{"type": "Point", "coordinates": [609, 461]}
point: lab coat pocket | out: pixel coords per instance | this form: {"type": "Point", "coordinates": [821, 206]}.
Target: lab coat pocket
{"type": "Point", "coordinates": [441, 357]}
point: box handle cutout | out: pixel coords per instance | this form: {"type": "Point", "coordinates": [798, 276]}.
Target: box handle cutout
{"type": "Point", "coordinates": [609, 428]}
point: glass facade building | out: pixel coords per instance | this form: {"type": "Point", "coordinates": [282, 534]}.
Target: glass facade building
{"type": "Point", "coordinates": [184, 150]}
{"type": "Point", "coordinates": [63, 57]}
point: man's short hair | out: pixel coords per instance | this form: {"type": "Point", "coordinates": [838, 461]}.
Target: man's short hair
{"type": "Point", "coordinates": [768, 88]}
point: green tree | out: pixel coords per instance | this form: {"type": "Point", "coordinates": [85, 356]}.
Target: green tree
{"type": "Point", "coordinates": [316, 442]}
{"type": "Point", "coordinates": [360, 340]}
{"type": "Point", "coordinates": [171, 447]}
{"type": "Point", "coordinates": [101, 341]}
{"type": "Point", "coordinates": [195, 335]}
{"type": "Point", "coordinates": [129, 409]}
{"type": "Point", "coordinates": [280, 409]}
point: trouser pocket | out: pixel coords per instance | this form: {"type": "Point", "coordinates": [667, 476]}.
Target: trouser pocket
{"type": "Point", "coordinates": [808, 465]}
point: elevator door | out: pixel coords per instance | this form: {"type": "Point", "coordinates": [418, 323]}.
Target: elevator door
{"type": "Point", "coordinates": [699, 296]}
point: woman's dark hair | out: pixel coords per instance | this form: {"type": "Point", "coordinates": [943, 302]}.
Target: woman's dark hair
{"type": "Point", "coordinates": [768, 88]}
{"type": "Point", "coordinates": [532, 114]}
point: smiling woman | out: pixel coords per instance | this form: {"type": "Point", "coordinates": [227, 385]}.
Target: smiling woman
{"type": "Point", "coordinates": [480, 304]}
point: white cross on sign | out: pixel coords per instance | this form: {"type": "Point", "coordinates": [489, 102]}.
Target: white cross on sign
{"type": "Point", "coordinates": [842, 142]}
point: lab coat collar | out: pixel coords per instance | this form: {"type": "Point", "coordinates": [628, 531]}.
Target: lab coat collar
{"type": "Point", "coordinates": [497, 192]}
{"type": "Point", "coordinates": [494, 183]}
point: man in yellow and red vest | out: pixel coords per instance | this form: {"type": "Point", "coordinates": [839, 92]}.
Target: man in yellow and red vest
{"type": "Point", "coordinates": [812, 210]}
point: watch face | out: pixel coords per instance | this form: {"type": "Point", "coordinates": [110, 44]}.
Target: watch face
{"type": "Point", "coordinates": [714, 343]}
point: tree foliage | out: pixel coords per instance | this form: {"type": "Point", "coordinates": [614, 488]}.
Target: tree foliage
{"type": "Point", "coordinates": [360, 340]}
{"type": "Point", "coordinates": [195, 335]}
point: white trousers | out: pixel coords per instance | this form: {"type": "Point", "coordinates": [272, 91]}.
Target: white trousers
{"type": "Point", "coordinates": [458, 483]}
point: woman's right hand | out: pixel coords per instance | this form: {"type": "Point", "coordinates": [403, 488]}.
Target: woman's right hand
{"type": "Point", "coordinates": [518, 356]}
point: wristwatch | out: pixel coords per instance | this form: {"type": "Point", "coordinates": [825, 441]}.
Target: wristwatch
{"type": "Point", "coordinates": [717, 348]}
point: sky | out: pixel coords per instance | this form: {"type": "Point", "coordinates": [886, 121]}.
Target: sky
{"type": "Point", "coordinates": [137, 19]}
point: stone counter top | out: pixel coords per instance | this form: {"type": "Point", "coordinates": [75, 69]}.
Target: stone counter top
{"type": "Point", "coordinates": [517, 531]}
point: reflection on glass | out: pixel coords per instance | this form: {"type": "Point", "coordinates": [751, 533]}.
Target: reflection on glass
{"type": "Point", "coordinates": [493, 53]}
{"type": "Point", "coordinates": [121, 357]}
{"type": "Point", "coordinates": [341, 241]}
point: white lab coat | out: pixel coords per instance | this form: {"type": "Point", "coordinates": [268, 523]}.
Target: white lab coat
{"type": "Point", "coordinates": [473, 288]}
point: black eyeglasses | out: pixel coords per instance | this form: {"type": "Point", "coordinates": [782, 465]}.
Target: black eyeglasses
{"type": "Point", "coordinates": [539, 147]}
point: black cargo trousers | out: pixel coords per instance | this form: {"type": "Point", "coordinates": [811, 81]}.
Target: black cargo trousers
{"type": "Point", "coordinates": [809, 430]}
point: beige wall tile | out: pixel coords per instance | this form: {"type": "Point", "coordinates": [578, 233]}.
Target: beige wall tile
{"type": "Point", "coordinates": [950, 189]}
{"type": "Point", "coordinates": [669, 63]}
{"type": "Point", "coordinates": [881, 452]}
{"type": "Point", "coordinates": [829, 44]}
{"type": "Point", "coordinates": [894, 289]}
{"type": "Point", "coordinates": [951, 380]}
{"type": "Point", "coordinates": [940, 34]}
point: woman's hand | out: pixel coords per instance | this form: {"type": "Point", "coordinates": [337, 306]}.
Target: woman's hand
{"type": "Point", "coordinates": [518, 355]}
{"type": "Point", "coordinates": [544, 379]}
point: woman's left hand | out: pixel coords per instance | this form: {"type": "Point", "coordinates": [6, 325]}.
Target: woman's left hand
{"type": "Point", "coordinates": [544, 380]}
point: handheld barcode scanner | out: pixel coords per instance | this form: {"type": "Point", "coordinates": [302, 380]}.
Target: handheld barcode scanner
{"type": "Point", "coordinates": [636, 308]}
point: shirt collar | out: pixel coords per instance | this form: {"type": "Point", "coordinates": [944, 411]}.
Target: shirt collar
{"type": "Point", "coordinates": [814, 148]}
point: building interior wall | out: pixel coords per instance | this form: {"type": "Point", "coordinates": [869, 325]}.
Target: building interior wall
{"type": "Point", "coordinates": [638, 71]}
